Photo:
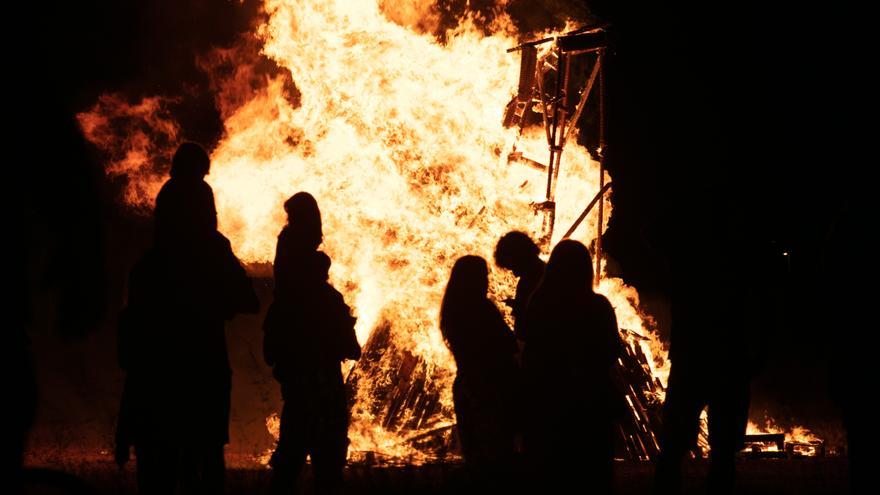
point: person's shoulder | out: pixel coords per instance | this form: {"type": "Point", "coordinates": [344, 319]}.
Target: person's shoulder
{"type": "Point", "coordinates": [169, 185]}
{"type": "Point", "coordinates": [333, 294]}
{"type": "Point", "coordinates": [491, 310]}
{"type": "Point", "coordinates": [540, 267]}
{"type": "Point", "coordinates": [220, 241]}
{"type": "Point", "coordinates": [287, 241]}
{"type": "Point", "coordinates": [601, 302]}
{"type": "Point", "coordinates": [333, 290]}
{"type": "Point", "coordinates": [221, 249]}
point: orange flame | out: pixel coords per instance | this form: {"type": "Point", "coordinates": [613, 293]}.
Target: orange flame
{"type": "Point", "coordinates": [399, 138]}
{"type": "Point", "coordinates": [797, 434]}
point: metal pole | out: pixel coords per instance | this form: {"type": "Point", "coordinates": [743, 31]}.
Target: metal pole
{"type": "Point", "coordinates": [599, 195]}
{"type": "Point", "coordinates": [563, 114]}
{"type": "Point", "coordinates": [554, 122]}
{"type": "Point", "coordinates": [600, 61]}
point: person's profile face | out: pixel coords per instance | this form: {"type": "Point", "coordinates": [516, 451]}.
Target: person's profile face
{"type": "Point", "coordinates": [517, 269]}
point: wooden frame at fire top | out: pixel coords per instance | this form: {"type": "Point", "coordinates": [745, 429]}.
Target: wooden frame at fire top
{"type": "Point", "coordinates": [555, 112]}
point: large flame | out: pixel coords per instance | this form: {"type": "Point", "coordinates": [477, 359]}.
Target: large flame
{"type": "Point", "coordinates": [399, 138]}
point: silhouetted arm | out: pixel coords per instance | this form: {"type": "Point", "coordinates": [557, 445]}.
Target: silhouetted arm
{"type": "Point", "coordinates": [242, 297]}
{"type": "Point", "coordinates": [611, 333]}
{"type": "Point", "coordinates": [505, 339]}
{"type": "Point", "coordinates": [348, 345]}
{"type": "Point", "coordinates": [352, 348]}
{"type": "Point", "coordinates": [247, 296]}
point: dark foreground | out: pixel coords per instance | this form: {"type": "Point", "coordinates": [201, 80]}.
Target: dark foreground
{"type": "Point", "coordinates": [800, 476]}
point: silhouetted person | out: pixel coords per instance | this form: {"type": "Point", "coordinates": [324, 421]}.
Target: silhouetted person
{"type": "Point", "coordinates": [178, 200]}
{"type": "Point", "coordinates": [302, 236]}
{"type": "Point", "coordinates": [850, 269]}
{"type": "Point", "coordinates": [486, 379]}
{"type": "Point", "coordinates": [572, 348]}
{"type": "Point", "coordinates": [309, 331]}
{"type": "Point", "coordinates": [517, 252]}
{"type": "Point", "coordinates": [175, 406]}
{"type": "Point", "coordinates": [715, 317]}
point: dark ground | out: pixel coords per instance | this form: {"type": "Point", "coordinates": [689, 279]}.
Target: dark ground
{"type": "Point", "coordinates": [801, 476]}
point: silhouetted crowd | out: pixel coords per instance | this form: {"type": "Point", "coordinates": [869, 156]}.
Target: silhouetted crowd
{"type": "Point", "coordinates": [175, 406]}
{"type": "Point", "coordinates": [539, 394]}
{"type": "Point", "coordinates": [536, 406]}
{"type": "Point", "coordinates": [547, 399]}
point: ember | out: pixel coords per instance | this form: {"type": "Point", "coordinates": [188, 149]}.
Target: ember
{"type": "Point", "coordinates": [771, 441]}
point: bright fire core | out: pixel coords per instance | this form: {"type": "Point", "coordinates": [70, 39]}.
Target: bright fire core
{"type": "Point", "coordinates": [399, 137]}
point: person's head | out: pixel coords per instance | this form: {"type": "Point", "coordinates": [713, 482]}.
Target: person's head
{"type": "Point", "coordinates": [185, 213]}
{"type": "Point", "coordinates": [570, 268]}
{"type": "Point", "coordinates": [468, 284]}
{"type": "Point", "coordinates": [304, 218]}
{"type": "Point", "coordinates": [190, 162]}
{"type": "Point", "coordinates": [516, 251]}
{"type": "Point", "coordinates": [320, 267]}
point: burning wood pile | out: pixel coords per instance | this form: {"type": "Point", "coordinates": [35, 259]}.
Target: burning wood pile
{"type": "Point", "coordinates": [771, 442]}
{"type": "Point", "coordinates": [643, 394]}
{"type": "Point", "coordinates": [401, 139]}
{"type": "Point", "coordinates": [408, 406]}
{"type": "Point", "coordinates": [403, 400]}
{"type": "Point", "coordinates": [400, 388]}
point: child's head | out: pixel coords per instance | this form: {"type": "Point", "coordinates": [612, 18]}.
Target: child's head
{"type": "Point", "coordinates": [304, 219]}
{"type": "Point", "coordinates": [320, 267]}
{"type": "Point", "coordinates": [190, 162]}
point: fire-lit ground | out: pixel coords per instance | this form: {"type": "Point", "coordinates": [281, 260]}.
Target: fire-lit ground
{"type": "Point", "coordinates": [441, 175]}
{"type": "Point", "coordinates": [74, 435]}
{"type": "Point", "coordinates": [400, 138]}
{"type": "Point", "coordinates": [795, 476]}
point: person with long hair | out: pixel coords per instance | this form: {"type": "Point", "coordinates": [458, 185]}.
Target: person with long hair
{"type": "Point", "coordinates": [309, 331]}
{"type": "Point", "coordinates": [297, 241]}
{"type": "Point", "coordinates": [568, 361]}
{"type": "Point", "coordinates": [485, 383]}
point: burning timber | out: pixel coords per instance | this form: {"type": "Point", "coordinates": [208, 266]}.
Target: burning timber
{"type": "Point", "coordinates": [403, 400]}
{"type": "Point", "coordinates": [404, 198]}
{"type": "Point", "coordinates": [401, 200]}
{"type": "Point", "coordinates": [781, 446]}
{"type": "Point", "coordinates": [406, 404]}
{"type": "Point", "coordinates": [399, 384]}
{"type": "Point", "coordinates": [643, 394]}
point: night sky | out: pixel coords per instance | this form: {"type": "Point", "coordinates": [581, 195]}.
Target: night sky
{"type": "Point", "coordinates": [757, 103]}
